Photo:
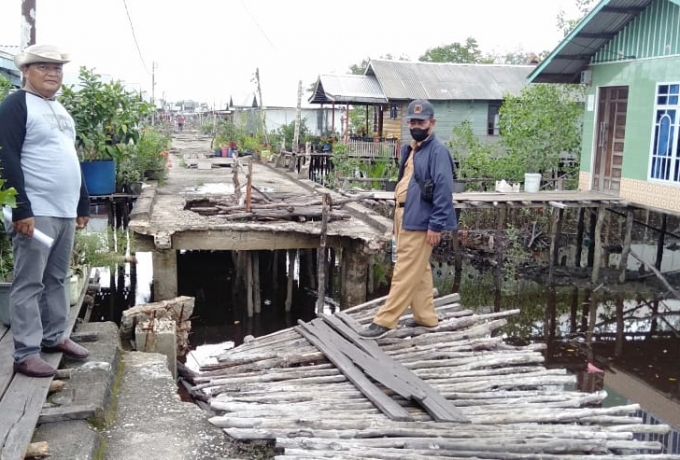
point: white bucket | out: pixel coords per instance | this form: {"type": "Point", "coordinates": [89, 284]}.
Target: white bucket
{"type": "Point", "coordinates": [532, 182]}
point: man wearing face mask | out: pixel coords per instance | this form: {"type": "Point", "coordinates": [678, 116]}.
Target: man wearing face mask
{"type": "Point", "coordinates": [424, 208]}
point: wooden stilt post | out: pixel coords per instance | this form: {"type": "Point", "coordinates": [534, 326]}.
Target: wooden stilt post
{"type": "Point", "coordinates": [500, 244]}
{"type": "Point", "coordinates": [580, 230]}
{"type": "Point", "coordinates": [331, 269]}
{"type": "Point", "coordinates": [554, 246]}
{"type": "Point", "coordinates": [618, 348]}
{"type": "Point", "coordinates": [309, 268]}
{"type": "Point", "coordinates": [235, 181]}
{"type": "Point", "coordinates": [249, 283]}
{"type": "Point", "coordinates": [249, 186]}
{"type": "Point", "coordinates": [627, 240]}
{"type": "Point", "coordinates": [275, 271]}
{"type": "Point", "coordinates": [321, 253]}
{"type": "Point", "coordinates": [457, 253]}
{"type": "Point", "coordinates": [597, 260]}
{"type": "Point", "coordinates": [574, 311]}
{"type": "Point", "coordinates": [257, 293]}
{"type": "Point", "coordinates": [660, 242]}
{"type": "Point", "coordinates": [370, 288]}
{"type": "Point", "coordinates": [591, 237]}
{"type": "Point", "coordinates": [291, 279]}
{"type": "Point", "coordinates": [646, 227]}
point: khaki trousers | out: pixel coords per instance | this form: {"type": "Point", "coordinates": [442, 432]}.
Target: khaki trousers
{"type": "Point", "coordinates": [411, 279]}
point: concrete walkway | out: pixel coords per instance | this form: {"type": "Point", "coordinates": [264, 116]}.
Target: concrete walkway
{"type": "Point", "coordinates": [139, 415]}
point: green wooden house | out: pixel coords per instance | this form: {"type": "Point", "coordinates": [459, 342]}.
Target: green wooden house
{"type": "Point", "coordinates": [458, 92]}
{"type": "Point", "coordinates": [627, 53]}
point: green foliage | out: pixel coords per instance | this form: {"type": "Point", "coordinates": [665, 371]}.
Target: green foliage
{"type": "Point", "coordinates": [5, 86]}
{"type": "Point", "coordinates": [107, 116]}
{"type": "Point", "coordinates": [246, 141]}
{"type": "Point", "coordinates": [6, 257]}
{"type": "Point", "coordinates": [480, 159]}
{"type": "Point", "coordinates": [151, 152]}
{"type": "Point", "coordinates": [541, 124]}
{"type": "Point", "coordinates": [287, 133]}
{"type": "Point", "coordinates": [101, 248]}
{"type": "Point", "coordinates": [344, 165]}
{"type": "Point", "coordinates": [226, 132]}
{"type": "Point", "coordinates": [7, 198]}
{"type": "Point", "coordinates": [359, 69]}
{"type": "Point", "coordinates": [565, 24]}
{"type": "Point", "coordinates": [383, 166]}
{"type": "Point", "coordinates": [467, 52]}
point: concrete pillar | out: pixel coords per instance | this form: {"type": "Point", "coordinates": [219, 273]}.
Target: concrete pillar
{"type": "Point", "coordinates": [164, 274]}
{"type": "Point", "coordinates": [354, 276]}
{"type": "Point", "coordinates": [158, 336]}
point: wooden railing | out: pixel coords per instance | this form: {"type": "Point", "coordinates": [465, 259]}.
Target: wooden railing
{"type": "Point", "coordinates": [361, 147]}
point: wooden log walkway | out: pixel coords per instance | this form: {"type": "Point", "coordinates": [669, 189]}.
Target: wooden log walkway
{"type": "Point", "coordinates": [455, 391]}
{"type": "Point", "coordinates": [22, 398]}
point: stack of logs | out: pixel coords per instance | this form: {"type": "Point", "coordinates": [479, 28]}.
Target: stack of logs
{"type": "Point", "coordinates": [282, 388]}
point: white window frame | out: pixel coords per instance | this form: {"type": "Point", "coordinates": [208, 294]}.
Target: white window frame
{"type": "Point", "coordinates": [674, 140]}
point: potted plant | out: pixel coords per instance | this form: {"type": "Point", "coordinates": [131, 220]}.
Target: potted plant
{"type": "Point", "coordinates": [108, 117]}
{"type": "Point", "coordinates": [151, 154]}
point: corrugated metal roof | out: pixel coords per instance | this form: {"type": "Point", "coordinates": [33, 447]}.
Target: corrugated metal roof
{"type": "Point", "coordinates": [354, 89]}
{"type": "Point", "coordinates": [445, 81]}
{"type": "Point", "coordinates": [574, 53]}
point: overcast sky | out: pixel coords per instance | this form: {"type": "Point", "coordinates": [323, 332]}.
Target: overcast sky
{"type": "Point", "coordinates": [209, 49]}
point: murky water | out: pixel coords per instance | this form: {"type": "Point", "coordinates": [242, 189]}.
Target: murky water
{"type": "Point", "coordinates": [578, 325]}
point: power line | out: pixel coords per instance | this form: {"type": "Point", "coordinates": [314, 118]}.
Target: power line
{"type": "Point", "coordinates": [134, 36]}
{"type": "Point", "coordinates": [258, 25]}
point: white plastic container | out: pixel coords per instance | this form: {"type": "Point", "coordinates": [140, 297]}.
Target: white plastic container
{"type": "Point", "coordinates": [532, 182]}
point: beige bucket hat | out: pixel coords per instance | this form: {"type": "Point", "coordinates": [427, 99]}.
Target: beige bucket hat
{"type": "Point", "coordinates": [41, 53]}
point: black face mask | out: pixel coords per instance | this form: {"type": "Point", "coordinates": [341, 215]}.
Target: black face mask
{"type": "Point", "coordinates": [419, 134]}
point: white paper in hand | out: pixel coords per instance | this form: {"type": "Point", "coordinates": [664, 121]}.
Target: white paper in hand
{"type": "Point", "coordinates": [37, 234]}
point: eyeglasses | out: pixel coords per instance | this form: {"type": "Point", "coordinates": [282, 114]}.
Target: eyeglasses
{"type": "Point", "coordinates": [46, 68]}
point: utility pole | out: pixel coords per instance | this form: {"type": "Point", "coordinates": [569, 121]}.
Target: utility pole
{"type": "Point", "coordinates": [27, 24]}
{"type": "Point", "coordinates": [153, 92]}
{"type": "Point", "coordinates": [262, 111]}
{"type": "Point", "coordinates": [298, 119]}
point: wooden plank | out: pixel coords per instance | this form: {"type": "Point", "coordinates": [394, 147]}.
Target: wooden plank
{"type": "Point", "coordinates": [377, 370]}
{"type": "Point", "coordinates": [433, 402]}
{"type": "Point", "coordinates": [374, 394]}
{"type": "Point", "coordinates": [23, 400]}
{"type": "Point", "coordinates": [69, 412]}
{"type": "Point", "coordinates": [6, 360]}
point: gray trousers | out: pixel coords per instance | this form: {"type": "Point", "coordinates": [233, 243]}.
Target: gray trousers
{"type": "Point", "coordinates": [39, 300]}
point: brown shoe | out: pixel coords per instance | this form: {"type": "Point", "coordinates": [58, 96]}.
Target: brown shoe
{"type": "Point", "coordinates": [35, 366]}
{"type": "Point", "coordinates": [69, 348]}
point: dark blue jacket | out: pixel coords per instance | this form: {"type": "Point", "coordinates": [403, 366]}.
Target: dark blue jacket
{"type": "Point", "coordinates": [432, 161]}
